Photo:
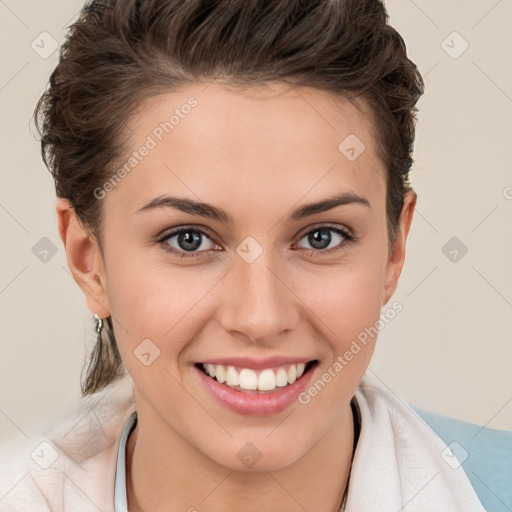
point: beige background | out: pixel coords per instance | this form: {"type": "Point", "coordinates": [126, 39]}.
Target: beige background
{"type": "Point", "coordinates": [449, 350]}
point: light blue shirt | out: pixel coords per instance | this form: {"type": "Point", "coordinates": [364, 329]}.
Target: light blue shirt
{"type": "Point", "coordinates": [120, 504]}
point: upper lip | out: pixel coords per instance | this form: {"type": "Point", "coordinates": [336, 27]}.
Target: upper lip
{"type": "Point", "coordinates": [257, 364]}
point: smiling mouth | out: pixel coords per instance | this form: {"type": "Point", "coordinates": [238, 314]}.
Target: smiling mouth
{"type": "Point", "coordinates": [256, 381]}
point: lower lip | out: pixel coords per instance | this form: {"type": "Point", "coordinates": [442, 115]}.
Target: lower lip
{"type": "Point", "coordinates": [256, 404]}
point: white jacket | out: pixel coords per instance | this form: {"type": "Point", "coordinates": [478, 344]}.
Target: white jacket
{"type": "Point", "coordinates": [69, 464]}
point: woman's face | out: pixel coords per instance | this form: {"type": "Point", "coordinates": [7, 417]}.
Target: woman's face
{"type": "Point", "coordinates": [256, 281]}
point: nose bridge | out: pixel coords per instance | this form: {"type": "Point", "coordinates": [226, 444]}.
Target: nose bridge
{"type": "Point", "coordinates": [260, 306]}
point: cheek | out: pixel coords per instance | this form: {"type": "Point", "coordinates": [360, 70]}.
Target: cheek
{"type": "Point", "coordinates": [155, 301]}
{"type": "Point", "coordinates": [349, 309]}
{"type": "Point", "coordinates": [347, 298]}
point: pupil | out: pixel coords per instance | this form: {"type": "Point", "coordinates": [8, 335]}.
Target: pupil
{"type": "Point", "coordinates": [189, 240]}
{"type": "Point", "coordinates": [319, 236]}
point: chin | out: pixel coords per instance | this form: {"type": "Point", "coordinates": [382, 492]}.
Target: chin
{"type": "Point", "coordinates": [255, 456]}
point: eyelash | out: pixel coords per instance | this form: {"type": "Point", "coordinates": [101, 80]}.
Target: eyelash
{"type": "Point", "coordinates": [348, 238]}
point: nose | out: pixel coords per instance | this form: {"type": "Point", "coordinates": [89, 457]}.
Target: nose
{"type": "Point", "coordinates": [257, 302]}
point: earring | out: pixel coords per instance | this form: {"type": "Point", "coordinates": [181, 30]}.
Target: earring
{"type": "Point", "coordinates": [99, 324]}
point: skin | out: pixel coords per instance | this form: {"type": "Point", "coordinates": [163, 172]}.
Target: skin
{"type": "Point", "coordinates": [257, 155]}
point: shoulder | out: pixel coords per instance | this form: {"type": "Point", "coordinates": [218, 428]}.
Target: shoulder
{"type": "Point", "coordinates": [69, 461]}
{"type": "Point", "coordinates": [485, 454]}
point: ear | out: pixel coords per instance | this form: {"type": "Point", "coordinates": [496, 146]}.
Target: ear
{"type": "Point", "coordinates": [397, 254]}
{"type": "Point", "coordinates": [84, 258]}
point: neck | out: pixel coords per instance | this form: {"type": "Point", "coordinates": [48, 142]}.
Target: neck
{"type": "Point", "coordinates": [167, 473]}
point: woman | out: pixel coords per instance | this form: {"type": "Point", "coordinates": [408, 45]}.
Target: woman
{"type": "Point", "coordinates": [234, 204]}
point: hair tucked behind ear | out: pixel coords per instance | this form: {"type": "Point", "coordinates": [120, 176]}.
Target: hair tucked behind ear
{"type": "Point", "coordinates": [121, 52]}
{"type": "Point", "coordinates": [105, 364]}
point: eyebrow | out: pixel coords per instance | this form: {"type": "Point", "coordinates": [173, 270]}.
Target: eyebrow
{"type": "Point", "coordinates": [208, 210]}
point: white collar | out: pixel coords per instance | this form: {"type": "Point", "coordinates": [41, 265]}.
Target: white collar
{"type": "Point", "coordinates": [397, 464]}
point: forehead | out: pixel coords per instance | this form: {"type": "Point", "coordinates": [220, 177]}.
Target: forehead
{"type": "Point", "coordinates": [212, 140]}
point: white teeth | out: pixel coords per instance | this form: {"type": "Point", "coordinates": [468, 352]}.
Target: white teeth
{"type": "Point", "coordinates": [292, 374]}
{"type": "Point", "coordinates": [220, 373]}
{"type": "Point", "coordinates": [281, 378]}
{"type": "Point", "coordinates": [210, 368]}
{"type": "Point", "coordinates": [266, 380]}
{"type": "Point", "coordinates": [232, 377]}
{"type": "Point", "coordinates": [248, 379]}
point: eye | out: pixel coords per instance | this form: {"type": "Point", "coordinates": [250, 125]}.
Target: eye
{"type": "Point", "coordinates": [187, 242]}
{"type": "Point", "coordinates": [321, 239]}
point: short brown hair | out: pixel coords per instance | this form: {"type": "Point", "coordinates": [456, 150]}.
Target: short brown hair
{"type": "Point", "coordinates": [120, 52]}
